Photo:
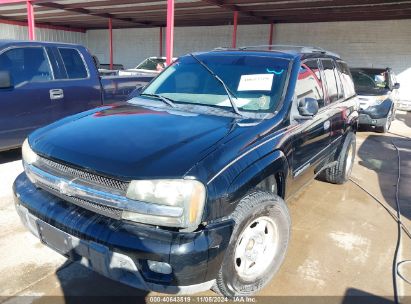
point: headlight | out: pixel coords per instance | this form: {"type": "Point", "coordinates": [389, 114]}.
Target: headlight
{"type": "Point", "coordinates": [29, 156]}
{"type": "Point", "coordinates": [379, 99]}
{"type": "Point", "coordinates": [185, 197]}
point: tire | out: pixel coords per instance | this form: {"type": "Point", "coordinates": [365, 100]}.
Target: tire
{"type": "Point", "coordinates": [258, 216]}
{"type": "Point", "coordinates": [386, 127]}
{"type": "Point", "coordinates": [341, 171]}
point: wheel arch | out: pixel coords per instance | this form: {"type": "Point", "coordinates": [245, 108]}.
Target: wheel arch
{"type": "Point", "coordinates": [273, 167]}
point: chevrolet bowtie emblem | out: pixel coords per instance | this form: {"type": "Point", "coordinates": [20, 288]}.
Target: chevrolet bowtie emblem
{"type": "Point", "coordinates": [64, 188]}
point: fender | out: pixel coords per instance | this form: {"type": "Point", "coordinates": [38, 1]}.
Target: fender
{"type": "Point", "coordinates": [352, 121]}
{"type": "Point", "coordinates": [274, 164]}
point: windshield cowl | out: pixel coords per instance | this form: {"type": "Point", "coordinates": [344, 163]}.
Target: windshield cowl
{"type": "Point", "coordinates": [195, 109]}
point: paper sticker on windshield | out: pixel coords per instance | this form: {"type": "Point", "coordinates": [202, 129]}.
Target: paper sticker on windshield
{"type": "Point", "coordinates": [256, 82]}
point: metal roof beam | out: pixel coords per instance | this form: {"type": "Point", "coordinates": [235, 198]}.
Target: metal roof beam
{"type": "Point", "coordinates": [89, 12]}
{"type": "Point", "coordinates": [235, 8]}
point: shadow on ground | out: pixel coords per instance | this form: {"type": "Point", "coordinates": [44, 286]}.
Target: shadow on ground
{"type": "Point", "coordinates": [81, 285]}
{"type": "Point", "coordinates": [404, 117]}
{"type": "Point", "coordinates": [379, 154]}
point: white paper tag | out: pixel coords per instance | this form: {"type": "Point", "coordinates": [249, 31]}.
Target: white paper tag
{"type": "Point", "coordinates": [239, 102]}
{"type": "Point", "coordinates": [256, 82]}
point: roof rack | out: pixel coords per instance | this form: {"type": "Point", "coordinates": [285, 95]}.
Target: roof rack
{"type": "Point", "coordinates": [285, 47]}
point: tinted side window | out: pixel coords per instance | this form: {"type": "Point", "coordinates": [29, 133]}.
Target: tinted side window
{"type": "Point", "coordinates": [331, 81]}
{"type": "Point", "coordinates": [73, 63]}
{"type": "Point", "coordinates": [309, 82]}
{"type": "Point", "coordinates": [346, 79]}
{"type": "Point", "coordinates": [26, 65]}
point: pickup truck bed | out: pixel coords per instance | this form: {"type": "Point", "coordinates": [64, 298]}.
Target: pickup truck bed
{"type": "Point", "coordinates": [117, 88]}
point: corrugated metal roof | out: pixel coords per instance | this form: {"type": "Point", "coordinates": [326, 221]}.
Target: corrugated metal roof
{"type": "Point", "coordinates": [93, 14]}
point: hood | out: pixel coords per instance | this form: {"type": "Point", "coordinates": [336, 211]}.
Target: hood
{"type": "Point", "coordinates": [367, 101]}
{"type": "Point", "coordinates": [371, 91]}
{"type": "Point", "coordinates": [132, 142]}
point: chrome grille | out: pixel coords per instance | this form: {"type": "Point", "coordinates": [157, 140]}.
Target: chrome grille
{"type": "Point", "coordinates": [97, 208]}
{"type": "Point", "coordinates": [64, 170]}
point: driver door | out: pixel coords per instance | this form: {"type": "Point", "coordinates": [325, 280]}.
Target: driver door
{"type": "Point", "coordinates": [311, 142]}
{"type": "Point", "coordinates": [27, 105]}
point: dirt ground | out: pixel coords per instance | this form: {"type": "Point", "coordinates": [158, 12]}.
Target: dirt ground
{"type": "Point", "coordinates": [343, 240]}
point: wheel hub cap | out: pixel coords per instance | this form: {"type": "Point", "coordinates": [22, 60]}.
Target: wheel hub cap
{"type": "Point", "coordinates": [256, 248]}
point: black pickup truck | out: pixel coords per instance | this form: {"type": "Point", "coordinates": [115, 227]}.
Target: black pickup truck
{"type": "Point", "coordinates": [183, 188]}
{"type": "Point", "coordinates": [41, 82]}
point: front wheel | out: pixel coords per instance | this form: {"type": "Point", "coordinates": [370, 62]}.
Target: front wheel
{"type": "Point", "coordinates": [386, 127]}
{"type": "Point", "coordinates": [257, 247]}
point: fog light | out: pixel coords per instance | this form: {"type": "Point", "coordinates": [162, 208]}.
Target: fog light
{"type": "Point", "coordinates": [159, 267]}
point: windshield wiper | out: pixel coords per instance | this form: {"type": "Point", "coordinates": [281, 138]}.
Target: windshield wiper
{"type": "Point", "coordinates": [230, 94]}
{"type": "Point", "coordinates": [166, 100]}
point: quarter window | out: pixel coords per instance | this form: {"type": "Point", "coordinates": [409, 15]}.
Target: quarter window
{"type": "Point", "coordinates": [28, 64]}
{"type": "Point", "coordinates": [346, 79]}
{"type": "Point", "coordinates": [73, 63]}
{"type": "Point", "coordinates": [309, 82]}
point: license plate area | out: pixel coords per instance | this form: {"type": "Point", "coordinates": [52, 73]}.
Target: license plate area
{"type": "Point", "coordinates": [55, 238]}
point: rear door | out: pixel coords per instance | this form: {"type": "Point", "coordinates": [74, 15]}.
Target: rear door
{"type": "Point", "coordinates": [313, 138]}
{"type": "Point", "coordinates": [27, 105]}
{"type": "Point", "coordinates": [77, 87]}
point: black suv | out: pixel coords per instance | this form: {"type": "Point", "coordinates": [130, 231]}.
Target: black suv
{"type": "Point", "coordinates": [183, 188]}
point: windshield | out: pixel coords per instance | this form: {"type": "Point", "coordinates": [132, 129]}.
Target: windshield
{"type": "Point", "coordinates": [152, 64]}
{"type": "Point", "coordinates": [256, 82]}
{"type": "Point", "coordinates": [369, 79]}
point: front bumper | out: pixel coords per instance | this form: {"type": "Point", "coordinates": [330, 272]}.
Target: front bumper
{"type": "Point", "coordinates": [375, 115]}
{"type": "Point", "coordinates": [121, 250]}
{"type": "Point", "coordinates": [365, 119]}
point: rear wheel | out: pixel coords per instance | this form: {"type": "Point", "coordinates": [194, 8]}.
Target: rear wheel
{"type": "Point", "coordinates": [341, 171]}
{"type": "Point", "coordinates": [257, 247]}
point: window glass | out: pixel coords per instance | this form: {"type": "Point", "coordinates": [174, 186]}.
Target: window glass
{"type": "Point", "coordinates": [331, 82]}
{"type": "Point", "coordinates": [370, 80]}
{"type": "Point", "coordinates": [152, 64]}
{"type": "Point", "coordinates": [393, 79]}
{"type": "Point", "coordinates": [256, 82]}
{"type": "Point", "coordinates": [339, 84]}
{"type": "Point", "coordinates": [346, 79]}
{"type": "Point", "coordinates": [26, 65]}
{"type": "Point", "coordinates": [309, 82]}
{"type": "Point", "coordinates": [73, 63]}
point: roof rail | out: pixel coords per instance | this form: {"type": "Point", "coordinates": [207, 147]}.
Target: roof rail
{"type": "Point", "coordinates": [285, 47]}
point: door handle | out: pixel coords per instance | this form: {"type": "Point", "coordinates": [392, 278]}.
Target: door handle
{"type": "Point", "coordinates": [56, 94]}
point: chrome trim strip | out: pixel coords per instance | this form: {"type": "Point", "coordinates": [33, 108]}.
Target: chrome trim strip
{"type": "Point", "coordinates": [72, 189]}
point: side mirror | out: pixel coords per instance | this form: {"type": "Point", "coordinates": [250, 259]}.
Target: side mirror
{"type": "Point", "coordinates": [308, 106]}
{"type": "Point", "coordinates": [396, 86]}
{"type": "Point", "coordinates": [5, 80]}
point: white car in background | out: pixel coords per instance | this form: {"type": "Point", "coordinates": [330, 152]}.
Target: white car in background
{"type": "Point", "coordinates": [149, 67]}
